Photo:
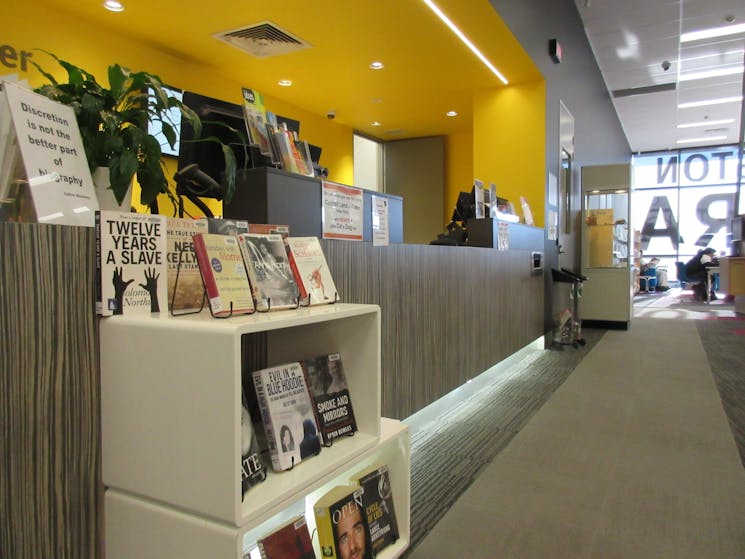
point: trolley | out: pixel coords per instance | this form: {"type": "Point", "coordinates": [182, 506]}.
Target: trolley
{"type": "Point", "coordinates": [569, 328]}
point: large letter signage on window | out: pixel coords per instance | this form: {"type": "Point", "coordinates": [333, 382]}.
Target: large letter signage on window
{"type": "Point", "coordinates": [660, 204]}
{"type": "Point", "coordinates": [686, 168]}
{"type": "Point", "coordinates": [684, 200]}
{"type": "Point", "coordinates": [714, 224]}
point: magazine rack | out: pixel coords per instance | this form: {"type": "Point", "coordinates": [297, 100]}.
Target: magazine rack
{"type": "Point", "coordinates": [171, 401]}
{"type": "Point", "coordinates": [570, 331]}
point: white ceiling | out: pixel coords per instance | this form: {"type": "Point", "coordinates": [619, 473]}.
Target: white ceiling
{"type": "Point", "coordinates": [632, 38]}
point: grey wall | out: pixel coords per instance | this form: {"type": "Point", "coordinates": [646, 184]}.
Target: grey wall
{"type": "Point", "coordinates": [415, 170]}
{"type": "Point", "coordinates": [599, 138]}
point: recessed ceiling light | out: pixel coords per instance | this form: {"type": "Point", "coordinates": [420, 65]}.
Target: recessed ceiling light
{"type": "Point", "coordinates": [285, 83]}
{"type": "Point", "coordinates": [707, 123]}
{"type": "Point", "coordinates": [451, 113]}
{"type": "Point", "coordinates": [712, 32]}
{"type": "Point", "coordinates": [375, 123]}
{"type": "Point", "coordinates": [465, 40]}
{"type": "Point", "coordinates": [706, 139]}
{"type": "Point", "coordinates": [377, 65]}
{"type": "Point", "coordinates": [707, 102]}
{"type": "Point", "coordinates": [113, 6]}
{"type": "Point", "coordinates": [711, 73]}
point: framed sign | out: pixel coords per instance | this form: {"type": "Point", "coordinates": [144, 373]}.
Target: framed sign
{"type": "Point", "coordinates": [341, 211]}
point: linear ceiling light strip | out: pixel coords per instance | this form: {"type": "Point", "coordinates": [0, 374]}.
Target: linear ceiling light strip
{"type": "Point", "coordinates": [741, 147]}
{"type": "Point", "coordinates": [465, 40]}
{"type": "Point", "coordinates": [712, 33]}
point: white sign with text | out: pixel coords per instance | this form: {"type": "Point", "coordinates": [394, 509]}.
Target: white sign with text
{"type": "Point", "coordinates": [380, 234]}
{"type": "Point", "coordinates": [342, 212]}
{"type": "Point", "coordinates": [54, 158]}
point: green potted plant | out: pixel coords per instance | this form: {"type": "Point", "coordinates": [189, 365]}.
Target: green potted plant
{"type": "Point", "coordinates": [113, 123]}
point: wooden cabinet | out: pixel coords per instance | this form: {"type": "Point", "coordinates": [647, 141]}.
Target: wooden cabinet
{"type": "Point", "coordinates": [600, 241]}
{"type": "Point", "coordinates": [732, 275]}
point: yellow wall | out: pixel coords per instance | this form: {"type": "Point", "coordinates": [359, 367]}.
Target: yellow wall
{"type": "Point", "coordinates": [458, 170]}
{"type": "Point", "coordinates": [507, 145]}
{"type": "Point", "coordinates": [95, 49]}
{"type": "Point", "coordinates": [509, 139]}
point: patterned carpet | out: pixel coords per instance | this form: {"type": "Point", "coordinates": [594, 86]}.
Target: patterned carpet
{"type": "Point", "coordinates": [448, 453]}
{"type": "Point", "coordinates": [724, 342]}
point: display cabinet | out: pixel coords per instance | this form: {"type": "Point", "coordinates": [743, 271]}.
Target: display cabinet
{"type": "Point", "coordinates": [607, 244]}
{"type": "Point", "coordinates": [146, 529]}
{"type": "Point", "coordinates": [170, 409]}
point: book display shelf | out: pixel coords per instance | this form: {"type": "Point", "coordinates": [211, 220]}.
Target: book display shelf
{"type": "Point", "coordinates": [171, 433]}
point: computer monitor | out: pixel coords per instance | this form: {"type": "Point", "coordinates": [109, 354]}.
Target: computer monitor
{"type": "Point", "coordinates": [292, 124]}
{"type": "Point", "coordinates": [465, 207]}
{"type": "Point", "coordinates": [315, 153]}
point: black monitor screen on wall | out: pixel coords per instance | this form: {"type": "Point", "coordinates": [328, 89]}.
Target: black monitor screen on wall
{"type": "Point", "coordinates": [218, 117]}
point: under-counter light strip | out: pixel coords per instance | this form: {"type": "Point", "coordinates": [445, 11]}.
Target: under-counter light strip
{"type": "Point", "coordinates": [465, 40]}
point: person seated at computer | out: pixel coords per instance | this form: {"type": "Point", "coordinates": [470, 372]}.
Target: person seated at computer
{"type": "Point", "coordinates": [651, 264]}
{"type": "Point", "coordinates": [648, 275]}
{"type": "Point", "coordinates": [696, 269]}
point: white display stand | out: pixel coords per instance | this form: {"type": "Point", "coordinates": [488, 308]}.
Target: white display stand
{"type": "Point", "coordinates": [170, 408]}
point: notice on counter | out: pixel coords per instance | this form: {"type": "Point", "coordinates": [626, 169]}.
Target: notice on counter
{"type": "Point", "coordinates": [503, 235]}
{"type": "Point", "coordinates": [552, 224]}
{"type": "Point", "coordinates": [54, 158]}
{"type": "Point", "coordinates": [380, 233]}
{"type": "Point", "coordinates": [342, 212]}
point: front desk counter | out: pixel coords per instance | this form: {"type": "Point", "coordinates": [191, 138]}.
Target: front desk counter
{"type": "Point", "coordinates": [448, 313]}
{"type": "Point", "coordinates": [268, 195]}
{"type": "Point", "coordinates": [732, 280]}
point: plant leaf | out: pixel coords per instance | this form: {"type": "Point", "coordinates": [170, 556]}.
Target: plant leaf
{"type": "Point", "coordinates": [121, 170]}
{"type": "Point", "coordinates": [117, 80]}
{"type": "Point", "coordinates": [230, 170]}
{"type": "Point", "coordinates": [169, 133]}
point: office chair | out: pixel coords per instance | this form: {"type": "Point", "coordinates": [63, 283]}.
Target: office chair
{"type": "Point", "coordinates": [685, 281]}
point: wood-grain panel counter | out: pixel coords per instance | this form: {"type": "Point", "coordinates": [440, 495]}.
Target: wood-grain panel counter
{"type": "Point", "coordinates": [448, 313]}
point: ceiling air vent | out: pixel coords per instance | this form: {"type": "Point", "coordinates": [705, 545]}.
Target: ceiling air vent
{"type": "Point", "coordinates": [263, 40]}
